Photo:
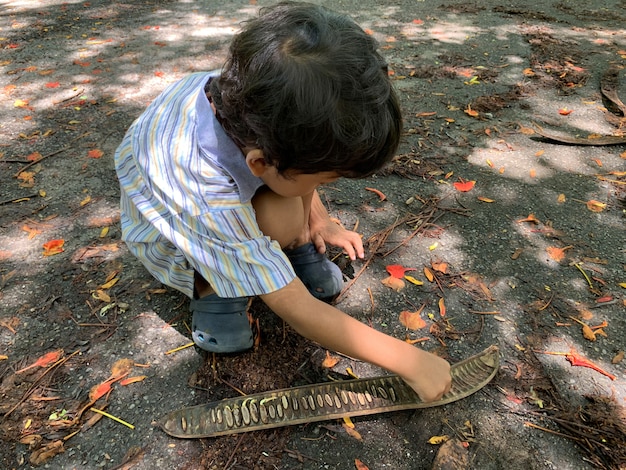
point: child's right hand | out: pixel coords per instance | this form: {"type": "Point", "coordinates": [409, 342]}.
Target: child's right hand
{"type": "Point", "coordinates": [431, 378]}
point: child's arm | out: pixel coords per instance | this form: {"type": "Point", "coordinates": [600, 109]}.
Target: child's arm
{"type": "Point", "coordinates": [426, 373]}
{"type": "Point", "coordinates": [323, 230]}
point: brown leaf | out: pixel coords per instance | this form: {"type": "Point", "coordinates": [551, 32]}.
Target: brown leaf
{"type": "Point", "coordinates": [394, 283]}
{"type": "Point", "coordinates": [440, 266]}
{"type": "Point", "coordinates": [412, 320]}
{"type": "Point", "coordinates": [122, 367]}
{"type": "Point", "coordinates": [41, 456]}
{"type": "Point", "coordinates": [618, 357]}
{"type": "Point", "coordinates": [352, 432]}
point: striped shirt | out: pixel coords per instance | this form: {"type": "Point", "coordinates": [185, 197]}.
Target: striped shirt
{"type": "Point", "coordinates": [185, 199]}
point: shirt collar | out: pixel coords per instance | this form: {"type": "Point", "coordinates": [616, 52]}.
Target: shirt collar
{"type": "Point", "coordinates": [216, 143]}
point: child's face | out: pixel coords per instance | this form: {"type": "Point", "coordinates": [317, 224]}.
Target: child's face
{"type": "Point", "coordinates": [296, 184]}
{"type": "Point", "coordinates": [290, 184]}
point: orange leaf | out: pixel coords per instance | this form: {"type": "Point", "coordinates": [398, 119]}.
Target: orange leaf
{"type": "Point", "coordinates": [45, 360]}
{"type": "Point", "coordinates": [440, 266]}
{"type": "Point", "coordinates": [357, 463]}
{"type": "Point", "coordinates": [132, 380]}
{"type": "Point", "coordinates": [380, 195]}
{"type": "Point", "coordinates": [100, 390]}
{"type": "Point", "coordinates": [412, 320]}
{"type": "Point", "coordinates": [565, 111]}
{"type": "Point", "coordinates": [485, 199]}
{"type": "Point", "coordinates": [32, 232]}
{"type": "Point", "coordinates": [397, 270]}
{"type": "Point", "coordinates": [442, 307]}
{"type": "Point", "coordinates": [52, 85]}
{"type": "Point", "coordinates": [330, 361]}
{"type": "Point", "coordinates": [429, 274]}
{"type": "Point", "coordinates": [53, 247]}
{"type": "Point", "coordinates": [95, 153]}
{"type": "Point", "coordinates": [33, 157]}
{"type": "Point", "coordinates": [531, 218]}
{"type": "Point", "coordinates": [595, 206]}
{"type": "Point", "coordinates": [532, 173]}
{"type": "Point", "coordinates": [470, 112]}
{"type": "Point", "coordinates": [394, 283]}
{"type": "Point", "coordinates": [464, 186]}
{"type": "Point", "coordinates": [557, 254]}
{"type": "Point", "coordinates": [561, 198]}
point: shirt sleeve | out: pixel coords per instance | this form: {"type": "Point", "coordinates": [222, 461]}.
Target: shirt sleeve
{"type": "Point", "coordinates": [229, 250]}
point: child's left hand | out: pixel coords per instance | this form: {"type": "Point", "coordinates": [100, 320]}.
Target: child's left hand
{"type": "Point", "coordinates": [327, 231]}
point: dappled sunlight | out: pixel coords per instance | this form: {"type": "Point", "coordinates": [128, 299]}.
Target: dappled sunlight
{"type": "Point", "coordinates": [453, 32]}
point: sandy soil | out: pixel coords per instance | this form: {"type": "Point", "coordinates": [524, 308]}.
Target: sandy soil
{"type": "Point", "coordinates": [533, 249]}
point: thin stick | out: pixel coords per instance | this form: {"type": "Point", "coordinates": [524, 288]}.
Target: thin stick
{"type": "Point", "coordinates": [18, 199]}
{"type": "Point", "coordinates": [67, 147]}
{"type": "Point", "coordinates": [110, 416]}
{"type": "Point", "coordinates": [232, 455]}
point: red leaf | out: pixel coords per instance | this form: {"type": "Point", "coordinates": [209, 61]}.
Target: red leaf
{"type": "Point", "coordinates": [397, 271]}
{"type": "Point", "coordinates": [464, 186]}
{"type": "Point", "coordinates": [53, 247]}
{"type": "Point", "coordinates": [52, 85]}
{"type": "Point", "coordinates": [45, 360]}
{"type": "Point", "coordinates": [576, 360]}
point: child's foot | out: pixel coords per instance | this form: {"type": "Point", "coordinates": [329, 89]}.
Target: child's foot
{"type": "Point", "coordinates": [320, 275]}
{"type": "Point", "coordinates": [221, 325]}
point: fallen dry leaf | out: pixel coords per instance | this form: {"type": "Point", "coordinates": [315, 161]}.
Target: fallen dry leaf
{"type": "Point", "coordinates": [394, 283]}
{"type": "Point", "coordinates": [41, 456]}
{"type": "Point", "coordinates": [442, 307]}
{"type": "Point", "coordinates": [435, 440]}
{"type": "Point", "coordinates": [440, 266]}
{"type": "Point", "coordinates": [618, 358]}
{"type": "Point", "coordinates": [378, 193]}
{"type": "Point", "coordinates": [358, 464]}
{"type": "Point", "coordinates": [44, 361]}
{"type": "Point", "coordinates": [330, 361]}
{"type": "Point", "coordinates": [352, 432]}
{"type": "Point", "coordinates": [53, 247]}
{"type": "Point", "coordinates": [132, 380]}
{"type": "Point", "coordinates": [557, 254]}
{"type": "Point", "coordinates": [595, 206]}
{"type": "Point", "coordinates": [412, 320]}
{"type": "Point", "coordinates": [397, 270]}
{"type": "Point", "coordinates": [464, 186]}
{"type": "Point", "coordinates": [429, 274]}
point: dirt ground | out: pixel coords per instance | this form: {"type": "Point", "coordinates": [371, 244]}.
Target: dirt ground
{"type": "Point", "coordinates": [531, 257]}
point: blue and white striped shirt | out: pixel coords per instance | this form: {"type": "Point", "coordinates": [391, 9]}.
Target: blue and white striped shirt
{"type": "Point", "coordinates": [185, 199]}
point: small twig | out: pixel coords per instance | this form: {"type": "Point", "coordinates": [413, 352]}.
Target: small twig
{"type": "Point", "coordinates": [18, 199]}
{"type": "Point", "coordinates": [36, 383]}
{"type": "Point", "coordinates": [67, 147]}
{"type": "Point", "coordinates": [541, 428]}
{"type": "Point", "coordinates": [232, 455]}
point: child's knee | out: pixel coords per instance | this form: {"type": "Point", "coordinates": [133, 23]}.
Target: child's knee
{"type": "Point", "coordinates": [280, 218]}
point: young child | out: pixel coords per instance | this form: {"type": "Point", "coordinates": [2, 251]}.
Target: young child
{"type": "Point", "coordinates": [219, 175]}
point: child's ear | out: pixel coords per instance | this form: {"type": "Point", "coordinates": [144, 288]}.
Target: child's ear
{"type": "Point", "coordinates": [256, 162]}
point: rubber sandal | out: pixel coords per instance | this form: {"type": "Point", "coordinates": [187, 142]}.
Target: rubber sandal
{"type": "Point", "coordinates": [220, 324]}
{"type": "Point", "coordinates": [321, 276]}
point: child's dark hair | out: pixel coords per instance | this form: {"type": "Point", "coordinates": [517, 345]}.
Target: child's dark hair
{"type": "Point", "coordinates": [307, 87]}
